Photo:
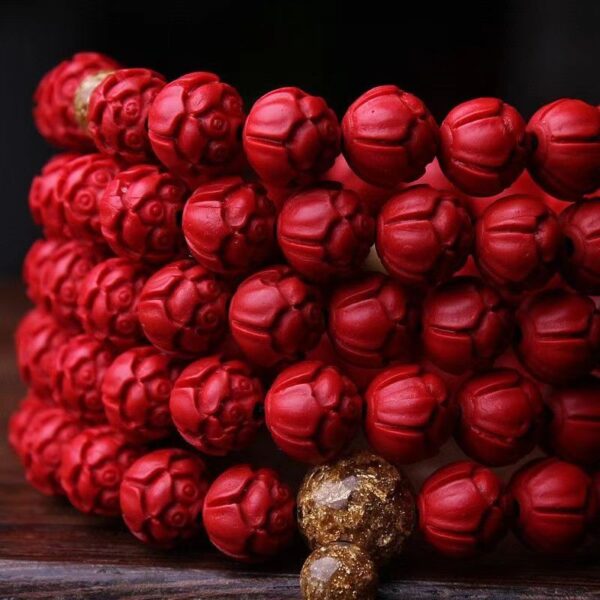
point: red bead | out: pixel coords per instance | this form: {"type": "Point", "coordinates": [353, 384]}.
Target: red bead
{"type": "Point", "coordinates": [566, 148]}
{"type": "Point", "coordinates": [483, 146]}
{"type": "Point", "coordinates": [462, 510]}
{"type": "Point", "coordinates": [92, 468]}
{"type": "Point", "coordinates": [313, 411]}
{"type": "Point", "coordinates": [162, 495]}
{"type": "Point", "coordinates": [372, 322]}
{"type": "Point", "coordinates": [409, 414]}
{"type": "Point", "coordinates": [249, 513]}
{"type": "Point", "coordinates": [275, 317]}
{"type": "Point", "coordinates": [559, 336]}
{"type": "Point", "coordinates": [325, 231]}
{"type": "Point", "coordinates": [581, 256]}
{"type": "Point", "coordinates": [135, 393]}
{"type": "Point", "coordinates": [573, 428]}
{"type": "Point", "coordinates": [81, 363]}
{"type": "Point", "coordinates": [291, 137]}
{"type": "Point", "coordinates": [140, 215]}
{"type": "Point", "coordinates": [43, 442]}
{"type": "Point", "coordinates": [229, 225]}
{"type": "Point", "coordinates": [45, 205]}
{"type": "Point", "coordinates": [107, 303]}
{"type": "Point", "coordinates": [517, 243]}
{"type": "Point", "coordinates": [466, 325]}
{"type": "Point", "coordinates": [37, 258]}
{"type": "Point", "coordinates": [20, 419]}
{"type": "Point", "coordinates": [183, 309]}
{"type": "Point", "coordinates": [54, 112]}
{"type": "Point", "coordinates": [554, 503]}
{"type": "Point", "coordinates": [500, 417]}
{"type": "Point", "coordinates": [216, 405]}
{"type": "Point", "coordinates": [423, 235]}
{"type": "Point", "coordinates": [389, 136]}
{"type": "Point", "coordinates": [117, 115]}
{"type": "Point", "coordinates": [194, 127]}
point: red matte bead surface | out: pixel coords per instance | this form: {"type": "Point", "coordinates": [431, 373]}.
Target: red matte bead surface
{"type": "Point", "coordinates": [140, 215]}
{"type": "Point", "coordinates": [325, 231]}
{"type": "Point", "coordinates": [118, 113]}
{"type": "Point", "coordinates": [500, 417]}
{"type": "Point", "coordinates": [466, 325]}
{"type": "Point", "coordinates": [216, 405]}
{"type": "Point", "coordinates": [559, 335]}
{"type": "Point", "coordinates": [183, 309]}
{"type": "Point", "coordinates": [313, 411]}
{"type": "Point", "coordinates": [20, 419]}
{"type": "Point", "coordinates": [409, 414]}
{"type": "Point", "coordinates": [135, 393]}
{"type": "Point", "coordinates": [37, 258]}
{"type": "Point", "coordinates": [423, 235]}
{"type": "Point", "coordinates": [249, 513]}
{"type": "Point", "coordinates": [194, 127]}
{"type": "Point", "coordinates": [53, 111]}
{"type": "Point", "coordinates": [554, 503]}
{"type": "Point", "coordinates": [580, 264]}
{"type": "Point", "coordinates": [275, 317]}
{"type": "Point", "coordinates": [291, 137]}
{"type": "Point", "coordinates": [107, 303]}
{"type": "Point", "coordinates": [162, 495]}
{"type": "Point", "coordinates": [518, 241]}
{"type": "Point", "coordinates": [566, 148]}
{"type": "Point", "coordinates": [229, 225]}
{"type": "Point", "coordinates": [92, 468]}
{"type": "Point", "coordinates": [483, 146]}
{"type": "Point", "coordinates": [372, 322]}
{"type": "Point", "coordinates": [573, 429]}
{"type": "Point", "coordinates": [389, 136]}
{"type": "Point", "coordinates": [462, 510]}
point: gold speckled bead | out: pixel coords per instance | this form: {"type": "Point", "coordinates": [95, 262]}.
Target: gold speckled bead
{"type": "Point", "coordinates": [338, 571]}
{"type": "Point", "coordinates": [362, 500]}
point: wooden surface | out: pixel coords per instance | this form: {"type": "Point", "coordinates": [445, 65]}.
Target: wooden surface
{"type": "Point", "coordinates": [48, 550]}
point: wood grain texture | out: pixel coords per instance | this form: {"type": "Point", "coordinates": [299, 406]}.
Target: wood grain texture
{"type": "Point", "coordinates": [48, 550]}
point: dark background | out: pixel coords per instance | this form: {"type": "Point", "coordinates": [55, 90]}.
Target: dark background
{"type": "Point", "coordinates": [527, 52]}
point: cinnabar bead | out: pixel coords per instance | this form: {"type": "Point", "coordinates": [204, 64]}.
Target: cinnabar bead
{"type": "Point", "coordinates": [249, 513]}
{"type": "Point", "coordinates": [183, 309]}
{"type": "Point", "coordinates": [162, 495]}
{"type": "Point", "coordinates": [554, 505]}
{"type": "Point", "coordinates": [92, 467]}
{"type": "Point", "coordinates": [313, 411]}
{"type": "Point", "coordinates": [558, 339]}
{"type": "Point", "coordinates": [566, 148]}
{"type": "Point", "coordinates": [229, 225]}
{"type": "Point", "coordinates": [217, 405]}
{"type": "Point", "coordinates": [37, 258]}
{"type": "Point", "coordinates": [135, 393]}
{"type": "Point", "coordinates": [275, 317]}
{"type": "Point", "coordinates": [500, 417]}
{"type": "Point", "coordinates": [140, 215]}
{"type": "Point", "coordinates": [580, 264]}
{"type": "Point", "coordinates": [462, 510]}
{"type": "Point", "coordinates": [54, 110]}
{"type": "Point", "coordinates": [372, 321]}
{"type": "Point", "coordinates": [466, 325]}
{"type": "Point", "coordinates": [573, 427]}
{"type": "Point", "coordinates": [325, 231]}
{"type": "Point", "coordinates": [195, 125]}
{"type": "Point", "coordinates": [117, 115]}
{"type": "Point", "coordinates": [107, 302]}
{"type": "Point", "coordinates": [409, 414]}
{"type": "Point", "coordinates": [291, 137]}
{"type": "Point", "coordinates": [518, 241]}
{"type": "Point", "coordinates": [21, 418]}
{"type": "Point", "coordinates": [424, 235]}
{"type": "Point", "coordinates": [43, 442]}
{"type": "Point", "coordinates": [483, 146]}
{"type": "Point", "coordinates": [389, 136]}
{"type": "Point", "coordinates": [77, 377]}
